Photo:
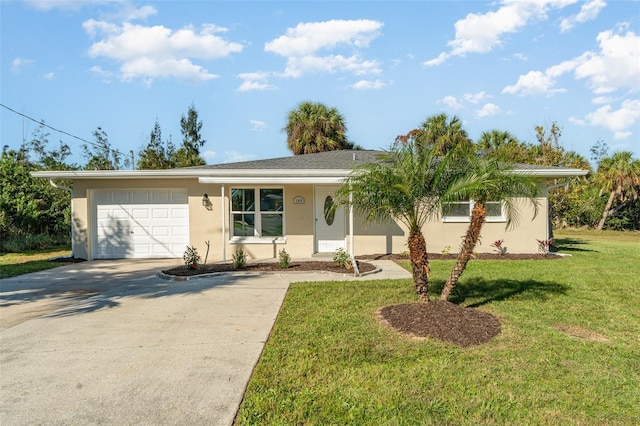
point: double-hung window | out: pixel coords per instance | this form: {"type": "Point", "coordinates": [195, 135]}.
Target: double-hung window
{"type": "Point", "coordinates": [461, 211]}
{"type": "Point", "coordinates": [257, 213]}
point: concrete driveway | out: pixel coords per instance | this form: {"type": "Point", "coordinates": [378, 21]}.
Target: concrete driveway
{"type": "Point", "coordinates": [108, 342]}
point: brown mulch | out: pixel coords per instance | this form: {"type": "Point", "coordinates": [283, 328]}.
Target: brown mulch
{"type": "Point", "coordinates": [441, 320]}
{"type": "Point", "coordinates": [306, 266]}
{"type": "Point", "coordinates": [482, 256]}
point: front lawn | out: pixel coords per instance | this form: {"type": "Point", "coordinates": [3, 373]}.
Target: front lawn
{"type": "Point", "coordinates": [569, 351]}
{"type": "Point", "coordinates": [13, 264]}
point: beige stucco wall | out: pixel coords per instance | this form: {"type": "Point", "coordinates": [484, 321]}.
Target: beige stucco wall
{"type": "Point", "coordinates": [205, 224]}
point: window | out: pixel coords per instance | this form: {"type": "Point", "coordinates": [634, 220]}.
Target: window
{"type": "Point", "coordinates": [461, 211]}
{"type": "Point", "coordinates": [263, 218]}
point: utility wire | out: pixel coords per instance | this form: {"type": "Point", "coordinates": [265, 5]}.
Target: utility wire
{"type": "Point", "coordinates": [42, 123]}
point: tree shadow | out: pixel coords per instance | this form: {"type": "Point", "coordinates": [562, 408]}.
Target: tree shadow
{"type": "Point", "coordinates": [86, 287]}
{"type": "Point", "coordinates": [488, 291]}
{"type": "Point", "coordinates": [571, 245]}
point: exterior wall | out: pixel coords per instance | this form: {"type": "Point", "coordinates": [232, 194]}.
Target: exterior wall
{"type": "Point", "coordinates": [205, 224]}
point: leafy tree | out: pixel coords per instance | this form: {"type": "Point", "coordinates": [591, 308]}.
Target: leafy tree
{"type": "Point", "coordinates": [48, 159]}
{"type": "Point", "coordinates": [189, 152]}
{"type": "Point", "coordinates": [155, 155]}
{"type": "Point", "coordinates": [486, 180]}
{"type": "Point", "coordinates": [313, 127]}
{"type": "Point", "coordinates": [29, 206]}
{"type": "Point", "coordinates": [619, 175]}
{"type": "Point", "coordinates": [99, 154]}
{"type": "Point", "coordinates": [494, 140]}
{"type": "Point", "coordinates": [407, 185]}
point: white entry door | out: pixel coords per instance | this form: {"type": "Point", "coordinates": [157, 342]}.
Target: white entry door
{"type": "Point", "coordinates": [330, 227]}
{"type": "Point", "coordinates": [140, 224]}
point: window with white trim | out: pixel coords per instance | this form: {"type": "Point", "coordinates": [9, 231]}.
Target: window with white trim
{"type": "Point", "coordinates": [257, 213]}
{"type": "Point", "coordinates": [461, 211]}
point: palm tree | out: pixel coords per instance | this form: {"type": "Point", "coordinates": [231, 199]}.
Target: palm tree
{"type": "Point", "coordinates": [313, 127]}
{"type": "Point", "coordinates": [406, 185]}
{"type": "Point", "coordinates": [495, 139]}
{"type": "Point", "coordinates": [487, 180]}
{"type": "Point", "coordinates": [444, 132]}
{"type": "Point", "coordinates": [620, 176]}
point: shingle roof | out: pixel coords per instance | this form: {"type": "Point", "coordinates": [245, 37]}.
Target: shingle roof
{"type": "Point", "coordinates": [330, 160]}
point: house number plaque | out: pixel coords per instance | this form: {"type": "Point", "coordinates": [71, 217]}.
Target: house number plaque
{"type": "Point", "coordinates": [298, 200]}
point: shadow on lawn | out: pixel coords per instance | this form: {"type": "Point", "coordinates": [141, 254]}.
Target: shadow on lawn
{"type": "Point", "coordinates": [487, 291]}
{"type": "Point", "coordinates": [564, 245]}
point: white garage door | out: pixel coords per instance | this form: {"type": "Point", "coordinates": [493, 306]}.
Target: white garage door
{"type": "Point", "coordinates": [140, 224]}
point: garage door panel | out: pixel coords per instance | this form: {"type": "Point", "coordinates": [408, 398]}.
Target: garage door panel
{"type": "Point", "coordinates": [140, 224]}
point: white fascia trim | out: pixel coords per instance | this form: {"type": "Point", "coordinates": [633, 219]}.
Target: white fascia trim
{"type": "Point", "coordinates": [550, 173]}
{"type": "Point", "coordinates": [268, 180]}
{"type": "Point", "coordinates": [115, 174]}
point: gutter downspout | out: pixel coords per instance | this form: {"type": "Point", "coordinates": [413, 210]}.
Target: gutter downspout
{"type": "Point", "coordinates": [70, 191]}
{"type": "Point", "coordinates": [565, 182]}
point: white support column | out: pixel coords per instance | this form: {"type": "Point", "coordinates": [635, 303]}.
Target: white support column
{"type": "Point", "coordinates": [224, 222]}
{"type": "Point", "coordinates": [351, 252]}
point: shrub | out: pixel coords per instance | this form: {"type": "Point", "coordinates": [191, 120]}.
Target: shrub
{"type": "Point", "coordinates": [191, 257]}
{"type": "Point", "coordinates": [284, 259]}
{"type": "Point", "coordinates": [342, 259]}
{"type": "Point", "coordinates": [545, 245]}
{"type": "Point", "coordinates": [499, 248]}
{"type": "Point", "coordinates": [239, 259]}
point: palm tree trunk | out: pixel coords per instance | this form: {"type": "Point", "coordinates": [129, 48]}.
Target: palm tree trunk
{"type": "Point", "coordinates": [605, 213]}
{"type": "Point", "coordinates": [471, 238]}
{"type": "Point", "coordinates": [419, 264]}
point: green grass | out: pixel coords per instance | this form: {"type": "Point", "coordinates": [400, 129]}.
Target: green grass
{"type": "Point", "coordinates": [328, 361]}
{"type": "Point", "coordinates": [13, 264]}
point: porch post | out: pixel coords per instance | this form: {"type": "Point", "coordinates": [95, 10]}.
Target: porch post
{"type": "Point", "coordinates": [224, 220]}
{"type": "Point", "coordinates": [351, 224]}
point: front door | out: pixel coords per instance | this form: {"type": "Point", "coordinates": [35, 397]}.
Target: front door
{"type": "Point", "coordinates": [330, 225]}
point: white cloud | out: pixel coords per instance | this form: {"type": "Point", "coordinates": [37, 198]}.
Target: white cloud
{"type": "Point", "coordinates": [235, 157]}
{"type": "Point", "coordinates": [613, 68]}
{"type": "Point", "coordinates": [533, 83]}
{"type": "Point", "coordinates": [588, 11]}
{"type": "Point", "coordinates": [368, 85]}
{"type": "Point", "coordinates": [209, 156]}
{"type": "Point", "coordinates": [254, 81]}
{"type": "Point", "coordinates": [617, 121]}
{"type": "Point", "coordinates": [521, 56]}
{"type": "Point", "coordinates": [18, 63]}
{"type": "Point", "coordinates": [258, 126]}
{"type": "Point", "coordinates": [451, 102]}
{"type": "Point", "coordinates": [46, 5]}
{"type": "Point", "coordinates": [475, 98]}
{"type": "Point", "coordinates": [481, 33]}
{"type": "Point", "coordinates": [488, 110]}
{"type": "Point", "coordinates": [147, 53]}
{"type": "Point", "coordinates": [601, 100]}
{"type": "Point", "coordinates": [303, 44]}
{"type": "Point", "coordinates": [49, 76]}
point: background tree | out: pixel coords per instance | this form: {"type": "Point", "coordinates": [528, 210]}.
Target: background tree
{"type": "Point", "coordinates": [189, 152]}
{"type": "Point", "coordinates": [445, 133]}
{"type": "Point", "coordinates": [313, 127]}
{"type": "Point", "coordinates": [494, 140]}
{"type": "Point", "coordinates": [99, 154]}
{"type": "Point", "coordinates": [406, 185]}
{"type": "Point", "coordinates": [155, 155]}
{"type": "Point", "coordinates": [618, 175]}
{"type": "Point", "coordinates": [47, 159]}
{"type": "Point", "coordinates": [486, 180]}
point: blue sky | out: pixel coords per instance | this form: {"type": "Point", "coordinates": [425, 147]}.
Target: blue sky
{"type": "Point", "coordinates": [385, 65]}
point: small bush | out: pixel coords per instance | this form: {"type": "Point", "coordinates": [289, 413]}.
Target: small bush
{"type": "Point", "coordinates": [544, 246]}
{"type": "Point", "coordinates": [284, 259]}
{"type": "Point", "coordinates": [191, 257]}
{"type": "Point", "coordinates": [20, 244]}
{"type": "Point", "coordinates": [239, 259]}
{"type": "Point", "coordinates": [499, 248]}
{"type": "Point", "coordinates": [446, 250]}
{"type": "Point", "coordinates": [342, 259]}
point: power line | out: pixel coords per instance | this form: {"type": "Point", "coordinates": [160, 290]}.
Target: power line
{"type": "Point", "coordinates": [42, 123]}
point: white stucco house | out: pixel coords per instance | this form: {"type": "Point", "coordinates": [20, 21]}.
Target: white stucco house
{"type": "Point", "coordinates": [262, 207]}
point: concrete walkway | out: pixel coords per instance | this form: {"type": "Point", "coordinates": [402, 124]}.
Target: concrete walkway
{"type": "Point", "coordinates": [108, 342]}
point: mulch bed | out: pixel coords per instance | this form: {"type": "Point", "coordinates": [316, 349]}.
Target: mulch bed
{"type": "Point", "coordinates": [481, 256]}
{"type": "Point", "coordinates": [307, 266]}
{"type": "Point", "coordinates": [441, 320]}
